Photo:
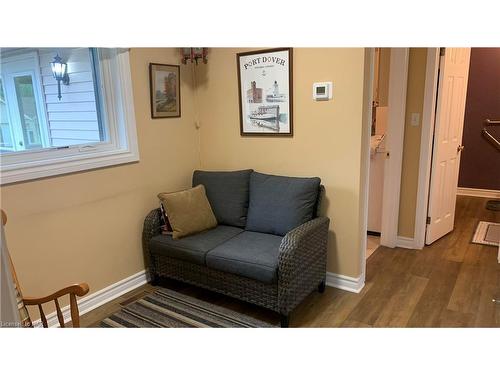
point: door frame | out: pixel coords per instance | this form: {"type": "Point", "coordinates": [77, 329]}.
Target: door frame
{"type": "Point", "coordinates": [398, 80]}
{"type": "Point", "coordinates": [366, 126]}
{"type": "Point", "coordinates": [426, 145]}
{"type": "Point", "coordinates": [398, 77]}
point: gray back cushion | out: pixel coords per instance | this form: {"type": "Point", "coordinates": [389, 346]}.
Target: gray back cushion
{"type": "Point", "coordinates": [278, 203]}
{"type": "Point", "coordinates": [227, 193]}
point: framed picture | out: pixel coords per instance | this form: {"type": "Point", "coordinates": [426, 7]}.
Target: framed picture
{"type": "Point", "coordinates": [164, 81]}
{"type": "Point", "coordinates": [265, 92]}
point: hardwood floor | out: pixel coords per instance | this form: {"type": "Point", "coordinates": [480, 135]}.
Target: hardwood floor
{"type": "Point", "coordinates": [448, 284]}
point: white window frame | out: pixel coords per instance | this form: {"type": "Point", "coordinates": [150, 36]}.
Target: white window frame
{"type": "Point", "coordinates": [121, 142]}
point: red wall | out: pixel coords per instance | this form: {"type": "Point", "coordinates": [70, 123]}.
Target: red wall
{"type": "Point", "coordinates": [480, 160]}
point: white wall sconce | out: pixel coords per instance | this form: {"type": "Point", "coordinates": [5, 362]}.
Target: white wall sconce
{"type": "Point", "coordinates": [60, 73]}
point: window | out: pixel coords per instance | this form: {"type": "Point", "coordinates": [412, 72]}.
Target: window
{"type": "Point", "coordinates": [92, 124]}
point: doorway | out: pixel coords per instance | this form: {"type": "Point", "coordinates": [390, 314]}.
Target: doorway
{"type": "Point", "coordinates": [390, 74]}
{"type": "Point", "coordinates": [382, 60]}
{"type": "Point", "coordinates": [430, 76]}
{"type": "Point", "coordinates": [460, 151]}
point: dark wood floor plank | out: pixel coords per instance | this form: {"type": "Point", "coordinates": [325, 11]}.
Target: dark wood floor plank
{"type": "Point", "coordinates": [436, 295]}
{"type": "Point", "coordinates": [467, 290]}
{"type": "Point", "coordinates": [474, 252]}
{"type": "Point", "coordinates": [426, 261]}
{"type": "Point", "coordinates": [401, 305]}
{"type": "Point", "coordinates": [387, 282]}
{"type": "Point", "coordinates": [488, 314]}
{"type": "Point", "coordinates": [329, 310]}
{"type": "Point", "coordinates": [454, 319]}
{"type": "Point", "coordinates": [456, 242]}
{"type": "Point", "coordinates": [354, 324]}
{"type": "Point", "coordinates": [379, 262]}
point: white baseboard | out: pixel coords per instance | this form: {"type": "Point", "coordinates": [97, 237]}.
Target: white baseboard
{"type": "Point", "coordinates": [94, 300]}
{"type": "Point", "coordinates": [348, 283]}
{"type": "Point", "coordinates": [407, 243]}
{"type": "Point", "coordinates": [484, 193]}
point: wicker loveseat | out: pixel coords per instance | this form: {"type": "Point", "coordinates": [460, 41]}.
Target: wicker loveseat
{"type": "Point", "coordinates": [265, 258]}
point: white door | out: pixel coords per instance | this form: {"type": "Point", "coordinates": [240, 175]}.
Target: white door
{"type": "Point", "coordinates": [452, 90]}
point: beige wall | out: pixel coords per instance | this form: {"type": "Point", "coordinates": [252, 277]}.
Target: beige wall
{"type": "Point", "coordinates": [383, 76]}
{"type": "Point", "coordinates": [411, 152]}
{"type": "Point", "coordinates": [327, 139]}
{"type": "Point", "coordinates": [87, 226]}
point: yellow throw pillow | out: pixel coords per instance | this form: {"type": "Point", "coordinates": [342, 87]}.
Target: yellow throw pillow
{"type": "Point", "coordinates": [188, 211]}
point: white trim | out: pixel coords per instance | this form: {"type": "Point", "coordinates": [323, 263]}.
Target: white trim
{"type": "Point", "coordinates": [365, 155]}
{"type": "Point", "coordinates": [424, 168]}
{"type": "Point", "coordinates": [347, 283]}
{"type": "Point", "coordinates": [484, 193]}
{"type": "Point", "coordinates": [398, 81]}
{"type": "Point", "coordinates": [122, 147]}
{"type": "Point", "coordinates": [94, 300]}
{"type": "Point", "coordinates": [407, 243]}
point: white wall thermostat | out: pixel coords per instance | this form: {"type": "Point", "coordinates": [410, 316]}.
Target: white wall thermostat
{"type": "Point", "coordinates": [322, 90]}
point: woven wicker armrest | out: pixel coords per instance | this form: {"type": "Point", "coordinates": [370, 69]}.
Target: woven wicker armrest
{"type": "Point", "coordinates": [151, 228]}
{"type": "Point", "coordinates": [310, 236]}
{"type": "Point", "coordinates": [302, 261]}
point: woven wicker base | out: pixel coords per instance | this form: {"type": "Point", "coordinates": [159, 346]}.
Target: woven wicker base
{"type": "Point", "coordinates": [265, 295]}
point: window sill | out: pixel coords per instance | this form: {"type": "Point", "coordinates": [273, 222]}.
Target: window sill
{"type": "Point", "coordinates": [68, 165]}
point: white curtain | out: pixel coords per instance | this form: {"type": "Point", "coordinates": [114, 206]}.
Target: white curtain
{"type": "Point", "coordinates": [9, 314]}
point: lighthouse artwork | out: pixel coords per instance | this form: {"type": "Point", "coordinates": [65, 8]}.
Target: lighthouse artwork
{"type": "Point", "coordinates": [265, 84]}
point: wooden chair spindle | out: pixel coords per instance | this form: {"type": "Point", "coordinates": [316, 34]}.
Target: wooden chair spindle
{"type": "Point", "coordinates": [59, 314]}
{"type": "Point", "coordinates": [75, 316]}
{"type": "Point", "coordinates": [42, 316]}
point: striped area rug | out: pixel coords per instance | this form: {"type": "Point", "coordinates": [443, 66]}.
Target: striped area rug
{"type": "Point", "coordinates": [167, 308]}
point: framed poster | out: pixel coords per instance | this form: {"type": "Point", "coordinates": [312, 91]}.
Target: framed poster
{"type": "Point", "coordinates": [265, 92]}
{"type": "Point", "coordinates": [164, 82]}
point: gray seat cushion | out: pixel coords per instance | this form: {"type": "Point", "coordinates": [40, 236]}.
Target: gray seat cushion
{"type": "Point", "coordinates": [192, 248]}
{"type": "Point", "coordinates": [227, 193]}
{"type": "Point", "coordinates": [250, 254]}
{"type": "Point", "coordinates": [278, 203]}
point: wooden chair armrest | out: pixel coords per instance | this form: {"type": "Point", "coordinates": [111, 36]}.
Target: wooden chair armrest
{"type": "Point", "coordinates": [77, 289]}
{"type": "Point", "coordinates": [73, 291]}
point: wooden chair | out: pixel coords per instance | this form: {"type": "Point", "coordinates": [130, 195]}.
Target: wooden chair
{"type": "Point", "coordinates": [73, 291]}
